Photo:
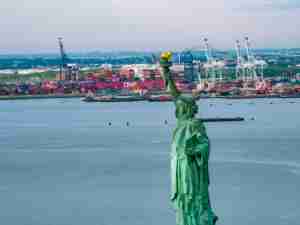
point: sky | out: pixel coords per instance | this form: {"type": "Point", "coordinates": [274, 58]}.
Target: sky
{"type": "Point", "coordinates": [32, 26]}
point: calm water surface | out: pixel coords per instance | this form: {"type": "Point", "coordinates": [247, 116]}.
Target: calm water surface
{"type": "Point", "coordinates": [61, 164]}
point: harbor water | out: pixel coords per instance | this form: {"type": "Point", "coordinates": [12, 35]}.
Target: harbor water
{"type": "Point", "coordinates": [66, 162]}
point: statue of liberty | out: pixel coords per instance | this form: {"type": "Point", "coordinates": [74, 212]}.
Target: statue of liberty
{"type": "Point", "coordinates": [189, 158]}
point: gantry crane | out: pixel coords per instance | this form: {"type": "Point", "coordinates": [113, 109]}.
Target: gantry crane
{"type": "Point", "coordinates": [213, 68]}
{"type": "Point", "coordinates": [66, 71]}
{"type": "Point", "coordinates": [63, 57]}
{"type": "Point", "coordinates": [250, 65]}
{"type": "Point", "coordinates": [240, 68]}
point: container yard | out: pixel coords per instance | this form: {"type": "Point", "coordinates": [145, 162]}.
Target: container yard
{"type": "Point", "coordinates": [201, 72]}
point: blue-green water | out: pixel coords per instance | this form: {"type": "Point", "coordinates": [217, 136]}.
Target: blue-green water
{"type": "Point", "coordinates": [62, 164]}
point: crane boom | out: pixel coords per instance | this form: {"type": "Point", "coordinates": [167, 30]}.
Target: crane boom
{"type": "Point", "coordinates": [238, 52]}
{"type": "Point", "coordinates": [63, 57]}
{"type": "Point", "coordinates": [207, 50]}
{"type": "Point", "coordinates": [248, 49]}
{"type": "Point", "coordinates": [63, 54]}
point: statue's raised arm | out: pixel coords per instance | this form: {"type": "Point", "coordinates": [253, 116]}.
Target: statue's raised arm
{"type": "Point", "coordinates": [165, 62]}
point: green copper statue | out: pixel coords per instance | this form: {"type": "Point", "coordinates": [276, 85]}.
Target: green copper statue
{"type": "Point", "coordinates": [189, 159]}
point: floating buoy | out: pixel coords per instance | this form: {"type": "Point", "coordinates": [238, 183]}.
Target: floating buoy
{"type": "Point", "coordinates": [127, 124]}
{"type": "Point", "coordinates": [166, 122]}
{"type": "Point", "coordinates": [252, 118]}
{"type": "Point", "coordinates": [109, 124]}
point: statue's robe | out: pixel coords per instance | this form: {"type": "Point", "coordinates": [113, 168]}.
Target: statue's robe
{"type": "Point", "coordinates": [190, 177]}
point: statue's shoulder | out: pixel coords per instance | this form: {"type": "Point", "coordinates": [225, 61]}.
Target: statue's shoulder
{"type": "Point", "coordinates": [197, 122]}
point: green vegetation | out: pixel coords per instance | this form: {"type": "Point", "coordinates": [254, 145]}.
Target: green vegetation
{"type": "Point", "coordinates": [34, 77]}
{"type": "Point", "coordinates": [281, 69]}
{"type": "Point", "coordinates": [12, 78]}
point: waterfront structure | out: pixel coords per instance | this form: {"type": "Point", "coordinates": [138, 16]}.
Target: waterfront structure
{"type": "Point", "coordinates": [71, 72]}
{"type": "Point", "coordinates": [64, 58]}
{"type": "Point", "coordinates": [213, 68]}
{"type": "Point", "coordinates": [127, 72]}
{"type": "Point", "coordinates": [188, 61]}
{"type": "Point", "coordinates": [67, 71]}
{"type": "Point", "coordinates": [189, 159]}
{"type": "Point", "coordinates": [240, 61]}
{"type": "Point", "coordinates": [141, 71]}
{"type": "Point", "coordinates": [249, 69]}
{"type": "Point", "coordinates": [250, 65]}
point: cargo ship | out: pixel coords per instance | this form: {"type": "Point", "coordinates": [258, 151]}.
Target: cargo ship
{"type": "Point", "coordinates": [113, 98]}
{"type": "Point", "coordinates": [160, 98]}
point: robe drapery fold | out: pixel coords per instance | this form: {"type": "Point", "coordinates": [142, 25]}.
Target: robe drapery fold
{"type": "Point", "coordinates": [190, 176]}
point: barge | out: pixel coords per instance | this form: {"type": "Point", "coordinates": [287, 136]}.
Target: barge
{"type": "Point", "coordinates": [113, 99]}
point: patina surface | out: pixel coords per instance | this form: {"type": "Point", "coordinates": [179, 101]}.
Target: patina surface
{"type": "Point", "coordinates": [189, 158]}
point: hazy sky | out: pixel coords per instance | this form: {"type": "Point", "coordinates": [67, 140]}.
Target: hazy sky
{"type": "Point", "coordinates": [33, 25]}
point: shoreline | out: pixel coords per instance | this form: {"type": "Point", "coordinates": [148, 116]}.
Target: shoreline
{"type": "Point", "coordinates": [29, 97]}
{"type": "Point", "coordinates": [53, 96]}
